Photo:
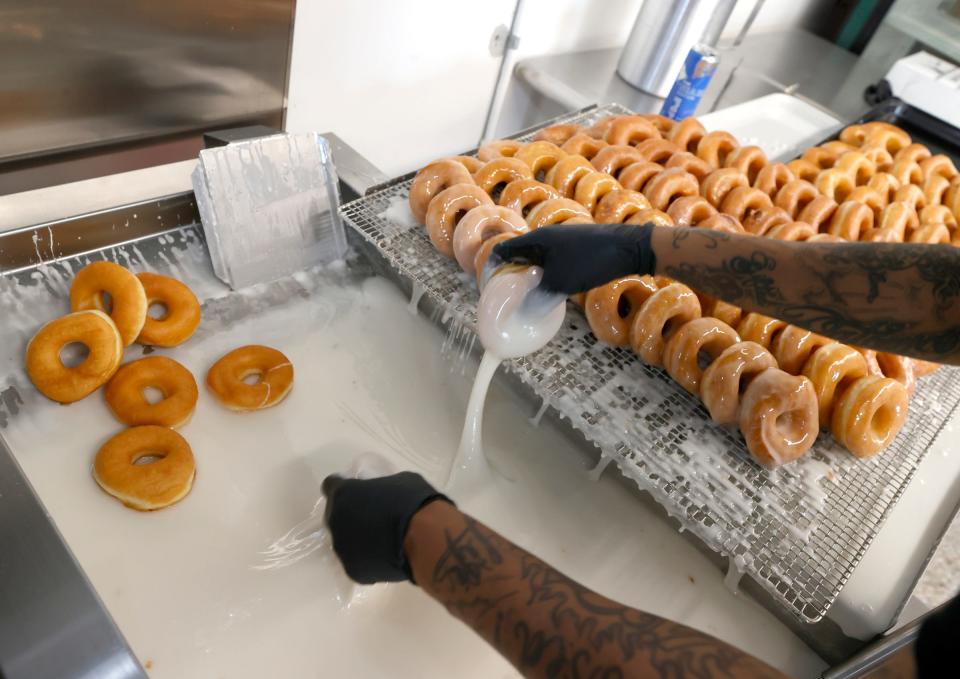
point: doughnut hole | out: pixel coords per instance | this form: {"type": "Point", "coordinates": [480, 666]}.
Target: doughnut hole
{"type": "Point", "coordinates": [790, 425]}
{"type": "Point", "coordinates": [74, 354]}
{"type": "Point", "coordinates": [252, 377]}
{"type": "Point", "coordinates": [148, 457]}
{"type": "Point", "coordinates": [495, 193]}
{"type": "Point", "coordinates": [883, 419]}
{"type": "Point", "coordinates": [152, 395]}
{"type": "Point", "coordinates": [158, 311]}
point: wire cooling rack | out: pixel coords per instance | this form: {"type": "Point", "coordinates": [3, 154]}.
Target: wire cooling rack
{"type": "Point", "coordinates": [798, 531]}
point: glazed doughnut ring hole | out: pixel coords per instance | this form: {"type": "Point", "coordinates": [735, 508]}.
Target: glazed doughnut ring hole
{"type": "Point", "coordinates": [253, 377]}
{"type": "Point", "coordinates": [158, 311]}
{"type": "Point", "coordinates": [74, 354]}
{"type": "Point", "coordinates": [153, 395]}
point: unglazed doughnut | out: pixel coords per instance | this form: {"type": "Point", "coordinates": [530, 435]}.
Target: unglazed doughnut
{"type": "Point", "coordinates": [636, 175]}
{"type": "Point", "coordinates": [934, 189]}
{"type": "Point", "coordinates": [836, 184]}
{"type": "Point", "coordinates": [657, 150]}
{"type": "Point", "coordinates": [687, 134]}
{"type": "Point", "coordinates": [899, 218]}
{"type": "Point", "coordinates": [557, 134]}
{"type": "Point", "coordinates": [540, 156]}
{"type": "Point", "coordinates": [52, 378]}
{"type": "Point", "coordinates": [483, 254]}
{"type": "Point", "coordinates": [760, 329]}
{"type": "Point", "coordinates": [690, 163]}
{"type": "Point", "coordinates": [825, 238]}
{"type": "Point", "coordinates": [523, 195]}
{"type": "Point", "coordinates": [151, 486]}
{"type": "Point", "coordinates": [497, 173]}
{"type": "Point", "coordinates": [447, 208]}
{"type": "Point", "coordinates": [681, 353]}
{"type": "Point", "coordinates": [612, 159]}
{"type": "Point", "coordinates": [743, 201]}
{"type": "Point", "coordinates": [690, 211]}
{"type": "Point", "coordinates": [868, 415]}
{"type": "Point", "coordinates": [914, 196]}
{"type": "Point", "coordinates": [714, 147]}
{"type": "Point", "coordinates": [821, 157]}
{"type": "Point", "coordinates": [871, 198]}
{"type": "Point", "coordinates": [860, 168]}
{"type": "Point", "coordinates": [431, 180]}
{"type": "Point", "coordinates": [567, 172]}
{"type": "Point", "coordinates": [125, 392]}
{"type": "Point", "coordinates": [651, 216]}
{"type": "Point", "coordinates": [793, 346]}
{"type": "Point", "coordinates": [747, 159]}
{"type": "Point", "coordinates": [617, 206]}
{"type": "Point", "coordinates": [664, 312]}
{"type": "Point", "coordinates": [886, 185]}
{"type": "Point", "coordinates": [129, 301]}
{"type": "Point", "coordinates": [855, 135]}
{"type": "Point", "coordinates": [501, 148]}
{"type": "Point", "coordinates": [796, 195]}
{"type": "Point", "coordinates": [796, 231]}
{"type": "Point", "coordinates": [913, 152]}
{"type": "Point", "coordinates": [891, 138]}
{"type": "Point", "coordinates": [907, 172]}
{"type": "Point", "coordinates": [803, 169]}
{"type": "Point", "coordinates": [583, 145]}
{"type": "Point", "coordinates": [631, 130]}
{"type": "Point", "coordinates": [274, 370]}
{"type": "Point", "coordinates": [951, 199]}
{"type": "Point", "coordinates": [838, 147]}
{"type": "Point", "coordinates": [720, 182]}
{"type": "Point", "coordinates": [611, 308]}
{"type": "Point", "coordinates": [938, 214]}
{"type": "Point", "coordinates": [665, 187]}
{"type": "Point", "coordinates": [880, 157]}
{"type": "Point", "coordinates": [940, 165]}
{"type": "Point", "coordinates": [818, 212]}
{"type": "Point", "coordinates": [727, 377]}
{"type": "Point", "coordinates": [760, 222]}
{"type": "Point", "coordinates": [831, 369]}
{"type": "Point", "coordinates": [478, 225]}
{"type": "Point", "coordinates": [899, 368]}
{"type": "Point", "coordinates": [722, 222]}
{"type": "Point", "coordinates": [555, 211]}
{"type": "Point", "coordinates": [778, 417]}
{"type": "Point", "coordinates": [182, 314]}
{"type": "Point", "coordinates": [771, 178]}
{"type": "Point", "coordinates": [594, 186]}
{"type": "Point", "coordinates": [850, 220]}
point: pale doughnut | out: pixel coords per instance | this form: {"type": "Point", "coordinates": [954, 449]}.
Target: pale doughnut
{"type": "Point", "coordinates": [880, 157]}
{"type": "Point", "coordinates": [761, 329]}
{"type": "Point", "coordinates": [687, 134]}
{"type": "Point", "coordinates": [558, 134]}
{"type": "Point", "coordinates": [914, 196]}
{"type": "Point", "coordinates": [497, 173]}
{"type": "Point", "coordinates": [871, 198]}
{"type": "Point", "coordinates": [690, 163]}
{"type": "Point", "coordinates": [858, 166]}
{"type": "Point", "coordinates": [836, 184]}
{"type": "Point", "coordinates": [818, 212]}
{"type": "Point", "coordinates": [722, 222]}
{"type": "Point", "coordinates": [446, 210]}
{"type": "Point", "coordinates": [778, 417]}
{"type": "Point", "coordinates": [657, 150]}
{"type": "Point", "coordinates": [825, 238]}
{"type": "Point", "coordinates": [747, 159]}
{"type": "Point", "coordinates": [690, 211]}
{"type": "Point", "coordinates": [719, 183]}
{"type": "Point", "coordinates": [555, 211]}
{"type": "Point", "coordinates": [592, 187]}
{"type": "Point", "coordinates": [937, 234]}
{"type": "Point", "coordinates": [890, 138]}
{"type": "Point", "coordinates": [796, 195]}
{"type": "Point", "coordinates": [803, 169]}
{"type": "Point", "coordinates": [793, 346]}
{"type": "Point", "coordinates": [182, 314]}
{"type": "Point", "coordinates": [795, 231]}
{"type": "Point", "coordinates": [617, 206]}
{"type": "Point", "coordinates": [744, 201]}
{"type": "Point", "coordinates": [771, 178]}
{"type": "Point", "coordinates": [129, 301]}
{"type": "Point", "coordinates": [124, 393]}
{"type": "Point", "coordinates": [934, 189]}
{"type": "Point", "coordinates": [540, 156]}
{"type": "Point", "coordinates": [938, 214]}
{"type": "Point", "coordinates": [714, 147]}
{"type": "Point", "coordinates": [583, 145]}
{"type": "Point", "coordinates": [886, 185]}
{"type": "Point", "coordinates": [630, 130]}
{"type": "Point", "coordinates": [636, 175]}
{"type": "Point", "coordinates": [907, 172]}
{"type": "Point", "coordinates": [727, 377]}
{"type": "Point", "coordinates": [759, 222]}
{"type": "Point", "coordinates": [226, 378]}
{"type": "Point", "coordinates": [854, 135]}
{"type": "Point", "coordinates": [145, 487]}
{"type": "Point", "coordinates": [939, 165]}
{"type": "Point", "coordinates": [681, 353]}
{"type": "Point", "coordinates": [567, 172]}
{"type": "Point", "coordinates": [612, 159]}
{"type": "Point", "coordinates": [611, 308]}
{"type": "Point", "coordinates": [52, 378]}
{"type": "Point", "coordinates": [651, 216]}
{"type": "Point", "coordinates": [831, 369]}
{"type": "Point", "coordinates": [850, 220]}
{"type": "Point", "coordinates": [823, 158]}
{"type": "Point", "coordinates": [501, 148]}
{"type": "Point", "coordinates": [913, 152]}
{"type": "Point", "coordinates": [522, 195]}
{"type": "Point", "coordinates": [951, 199]}
{"type": "Point", "coordinates": [664, 312]}
{"type": "Point", "coordinates": [868, 415]}
{"type": "Point", "coordinates": [900, 218]}
{"type": "Point", "coordinates": [899, 368]}
{"type": "Point", "coordinates": [838, 147]}
{"type": "Point", "coordinates": [431, 180]}
{"type": "Point", "coordinates": [665, 187]}
{"type": "Point", "coordinates": [478, 225]}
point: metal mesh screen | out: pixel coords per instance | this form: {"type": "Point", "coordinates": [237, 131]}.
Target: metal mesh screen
{"type": "Point", "coordinates": [798, 531]}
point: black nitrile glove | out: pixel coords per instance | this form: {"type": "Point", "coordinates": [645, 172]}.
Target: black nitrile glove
{"type": "Point", "coordinates": [577, 258]}
{"type": "Point", "coordinates": [368, 520]}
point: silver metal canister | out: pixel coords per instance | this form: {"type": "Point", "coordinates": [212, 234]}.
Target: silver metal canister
{"type": "Point", "coordinates": [662, 36]}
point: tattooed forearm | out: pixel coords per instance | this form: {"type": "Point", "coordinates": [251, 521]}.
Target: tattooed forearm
{"type": "Point", "coordinates": [901, 298]}
{"type": "Point", "coordinates": [548, 625]}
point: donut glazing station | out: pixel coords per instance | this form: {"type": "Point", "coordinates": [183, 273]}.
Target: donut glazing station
{"type": "Point", "coordinates": [88, 587]}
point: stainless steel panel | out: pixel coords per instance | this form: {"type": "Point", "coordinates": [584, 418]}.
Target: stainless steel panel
{"type": "Point", "coordinates": [78, 73]}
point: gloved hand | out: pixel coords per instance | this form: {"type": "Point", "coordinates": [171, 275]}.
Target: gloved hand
{"type": "Point", "coordinates": [577, 258]}
{"type": "Point", "coordinates": [368, 520]}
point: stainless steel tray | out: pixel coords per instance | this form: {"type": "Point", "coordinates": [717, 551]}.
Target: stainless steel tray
{"type": "Point", "coordinates": [798, 532]}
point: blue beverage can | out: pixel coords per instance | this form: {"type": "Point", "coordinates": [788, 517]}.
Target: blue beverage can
{"type": "Point", "coordinates": [695, 74]}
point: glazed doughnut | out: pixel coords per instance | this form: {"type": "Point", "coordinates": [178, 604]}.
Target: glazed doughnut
{"type": "Point", "coordinates": [870, 356]}
{"type": "Point", "coordinates": [778, 417]}
{"type": "Point", "coordinates": [659, 318]}
{"type": "Point", "coordinates": [823, 158]}
{"type": "Point", "coordinates": [913, 152]}
{"type": "Point", "coordinates": [938, 214]}
{"type": "Point", "coordinates": [182, 315]}
{"type": "Point", "coordinates": [636, 175]}
{"type": "Point", "coordinates": [579, 219]}
{"type": "Point", "coordinates": [951, 199]}
{"type": "Point", "coordinates": [662, 123]}
{"type": "Point", "coordinates": [472, 164]}
{"type": "Point", "coordinates": [888, 235]}
{"type": "Point", "coordinates": [879, 156]}
{"type": "Point", "coordinates": [722, 222]}
{"type": "Point", "coordinates": [687, 134]}
{"type": "Point", "coordinates": [690, 211]}
{"type": "Point", "coordinates": [870, 198]}
{"type": "Point", "coordinates": [522, 195]}
{"type": "Point", "coordinates": [771, 178]}
{"type": "Point", "coordinates": [760, 329]}
{"type": "Point", "coordinates": [907, 172]}
{"type": "Point", "coordinates": [554, 212]}
{"type": "Point", "coordinates": [855, 135]}
{"type": "Point", "coordinates": [838, 147]}
{"type": "Point", "coordinates": [760, 222]}
{"type": "Point", "coordinates": [924, 368]}
{"type": "Point", "coordinates": [594, 186]}
{"type": "Point", "coordinates": [125, 392]}
{"type": "Point", "coordinates": [825, 238]}
{"type": "Point", "coordinates": [719, 183]}
{"type": "Point", "coordinates": [728, 376]}
{"type": "Point", "coordinates": [651, 216]}
{"type": "Point", "coordinates": [540, 156]}
{"type": "Point", "coordinates": [497, 173]}
{"type": "Point", "coordinates": [617, 206]}
{"type": "Point", "coordinates": [899, 368]}
{"type": "Point", "coordinates": [447, 208]}
{"type": "Point", "coordinates": [934, 189]}
{"type": "Point", "coordinates": [483, 254]}
{"type": "Point", "coordinates": [796, 231]}
{"type": "Point", "coordinates": [611, 308]}
{"type": "Point", "coordinates": [690, 163]}
{"type": "Point", "coordinates": [860, 168]}
{"type": "Point", "coordinates": [657, 150]}
{"type": "Point", "coordinates": [900, 218]}
{"type": "Point", "coordinates": [835, 184]}
{"type": "Point", "coordinates": [630, 130]}
{"type": "Point", "coordinates": [501, 148]}
{"type": "Point", "coordinates": [850, 220]}
{"type": "Point", "coordinates": [567, 172]}
{"type": "Point", "coordinates": [803, 169]}
{"type": "Point", "coordinates": [939, 165]}
{"type": "Point", "coordinates": [744, 201]}
{"type": "Point", "coordinates": [717, 308]}
{"type": "Point", "coordinates": [868, 415]}
{"type": "Point", "coordinates": [831, 369]}
{"type": "Point", "coordinates": [478, 225]}
{"type": "Point", "coordinates": [913, 195]}
{"type": "Point", "coordinates": [583, 145]}
{"type": "Point", "coordinates": [667, 186]}
{"type": "Point", "coordinates": [886, 185]}
{"type": "Point", "coordinates": [94, 330]}
{"type": "Point", "coordinates": [682, 352]}
{"type": "Point", "coordinates": [129, 301]}
{"type": "Point", "coordinates": [431, 180]}
{"type": "Point", "coordinates": [715, 147]}
{"type": "Point", "coordinates": [793, 346]}
{"type": "Point", "coordinates": [612, 159]}
{"type": "Point", "coordinates": [747, 159]}
{"type": "Point", "coordinates": [274, 370]}
{"type": "Point", "coordinates": [145, 487]}
{"type": "Point", "coordinates": [600, 128]}
{"type": "Point", "coordinates": [818, 212]}
{"type": "Point", "coordinates": [796, 195]}
{"type": "Point", "coordinates": [892, 139]}
{"type": "Point", "coordinates": [558, 134]}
